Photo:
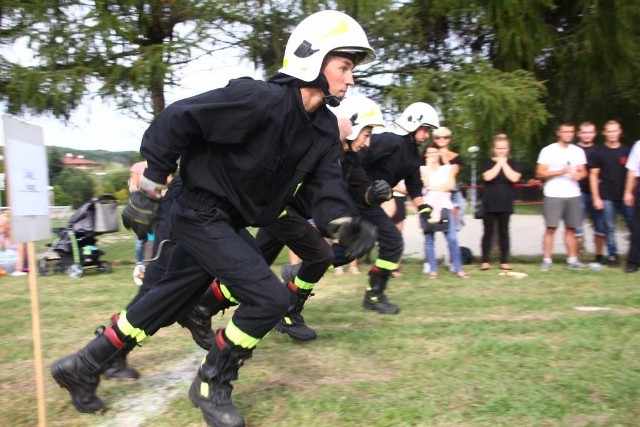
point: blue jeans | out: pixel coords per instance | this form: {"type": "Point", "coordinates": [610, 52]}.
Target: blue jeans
{"type": "Point", "coordinates": [589, 212]}
{"type": "Point", "coordinates": [452, 241]}
{"type": "Point", "coordinates": [609, 221]}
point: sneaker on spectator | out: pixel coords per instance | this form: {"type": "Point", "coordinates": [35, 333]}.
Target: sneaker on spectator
{"type": "Point", "coordinates": [612, 261]}
{"type": "Point", "coordinates": [339, 271]}
{"type": "Point", "coordinates": [545, 266]}
{"type": "Point", "coordinates": [575, 265]}
{"type": "Point", "coordinates": [426, 268]}
{"type": "Point", "coordinates": [354, 270]}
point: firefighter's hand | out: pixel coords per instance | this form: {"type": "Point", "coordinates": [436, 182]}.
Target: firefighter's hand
{"type": "Point", "coordinates": [432, 226]}
{"type": "Point", "coordinates": [425, 212]}
{"type": "Point", "coordinates": [140, 213]}
{"type": "Point", "coordinates": [378, 193]}
{"type": "Point", "coordinates": [358, 236]}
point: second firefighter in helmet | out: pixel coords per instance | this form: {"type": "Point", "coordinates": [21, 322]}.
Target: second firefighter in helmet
{"type": "Point", "coordinates": [357, 116]}
{"type": "Point", "coordinates": [394, 156]}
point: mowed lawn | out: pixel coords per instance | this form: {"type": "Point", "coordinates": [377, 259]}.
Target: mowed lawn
{"type": "Point", "coordinates": [560, 348]}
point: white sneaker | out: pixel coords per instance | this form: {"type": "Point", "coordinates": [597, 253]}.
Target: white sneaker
{"type": "Point", "coordinates": [546, 266]}
{"type": "Point", "coordinates": [575, 265]}
{"type": "Point", "coordinates": [426, 268]}
{"type": "Point", "coordinates": [338, 271]}
{"type": "Point", "coordinates": [18, 273]}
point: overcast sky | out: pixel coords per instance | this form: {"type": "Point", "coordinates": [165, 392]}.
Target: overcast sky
{"type": "Point", "coordinates": [97, 125]}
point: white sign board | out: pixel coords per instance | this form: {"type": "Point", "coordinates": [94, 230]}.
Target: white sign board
{"type": "Point", "coordinates": [25, 162]}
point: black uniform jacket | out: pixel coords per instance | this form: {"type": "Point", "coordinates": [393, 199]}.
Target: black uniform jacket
{"type": "Point", "coordinates": [393, 158]}
{"type": "Point", "coordinates": [355, 179]}
{"type": "Point", "coordinates": [249, 145]}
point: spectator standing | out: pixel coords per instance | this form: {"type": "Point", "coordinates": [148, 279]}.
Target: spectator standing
{"type": "Point", "coordinates": [499, 174]}
{"type": "Point", "coordinates": [442, 139]}
{"type": "Point", "coordinates": [439, 181]}
{"type": "Point", "coordinates": [561, 165]}
{"type": "Point", "coordinates": [632, 199]}
{"type": "Point", "coordinates": [607, 178]}
{"type": "Point", "coordinates": [586, 137]}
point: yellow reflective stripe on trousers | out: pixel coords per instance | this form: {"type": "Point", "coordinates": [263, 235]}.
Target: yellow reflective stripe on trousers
{"type": "Point", "coordinates": [387, 265]}
{"type": "Point", "coordinates": [128, 330]}
{"type": "Point", "coordinates": [227, 294]}
{"type": "Point", "coordinates": [307, 286]}
{"type": "Point", "coordinates": [237, 337]}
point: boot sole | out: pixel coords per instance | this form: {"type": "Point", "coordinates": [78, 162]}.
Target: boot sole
{"type": "Point", "coordinates": [374, 308]}
{"type": "Point", "coordinates": [284, 330]}
{"type": "Point", "coordinates": [59, 375]}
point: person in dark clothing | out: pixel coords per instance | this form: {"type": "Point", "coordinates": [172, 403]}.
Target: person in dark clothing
{"type": "Point", "coordinates": [586, 136]}
{"type": "Point", "coordinates": [392, 157]}
{"type": "Point", "coordinates": [607, 177]}
{"type": "Point", "coordinates": [357, 116]}
{"type": "Point", "coordinates": [499, 174]}
{"type": "Point", "coordinates": [243, 151]}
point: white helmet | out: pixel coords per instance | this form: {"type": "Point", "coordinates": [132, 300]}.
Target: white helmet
{"type": "Point", "coordinates": [316, 36]}
{"type": "Point", "coordinates": [416, 115]}
{"type": "Point", "coordinates": [362, 112]}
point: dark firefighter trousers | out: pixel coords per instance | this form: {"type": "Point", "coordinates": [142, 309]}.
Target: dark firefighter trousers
{"type": "Point", "coordinates": [209, 246]}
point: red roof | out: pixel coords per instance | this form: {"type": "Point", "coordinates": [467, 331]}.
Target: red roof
{"type": "Point", "coordinates": [74, 161]}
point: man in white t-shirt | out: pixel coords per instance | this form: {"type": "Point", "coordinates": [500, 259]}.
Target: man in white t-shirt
{"type": "Point", "coordinates": [631, 197]}
{"type": "Point", "coordinates": [561, 165]}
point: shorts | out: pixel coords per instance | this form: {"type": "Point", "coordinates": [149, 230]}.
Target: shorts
{"type": "Point", "coordinates": [567, 209]}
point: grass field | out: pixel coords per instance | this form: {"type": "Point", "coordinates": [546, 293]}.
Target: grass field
{"type": "Point", "coordinates": [488, 351]}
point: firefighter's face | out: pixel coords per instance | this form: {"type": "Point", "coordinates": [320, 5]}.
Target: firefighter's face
{"type": "Point", "coordinates": [338, 71]}
{"type": "Point", "coordinates": [363, 139]}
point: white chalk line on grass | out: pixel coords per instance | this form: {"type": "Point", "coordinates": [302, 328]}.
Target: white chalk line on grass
{"type": "Point", "coordinates": [162, 387]}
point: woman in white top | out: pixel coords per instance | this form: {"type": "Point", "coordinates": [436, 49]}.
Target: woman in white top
{"type": "Point", "coordinates": [439, 181]}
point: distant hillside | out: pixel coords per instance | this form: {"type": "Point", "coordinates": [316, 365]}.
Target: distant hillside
{"type": "Point", "coordinates": [125, 158]}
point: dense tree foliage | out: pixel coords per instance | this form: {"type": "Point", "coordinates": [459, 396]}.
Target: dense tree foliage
{"type": "Point", "coordinates": [126, 50]}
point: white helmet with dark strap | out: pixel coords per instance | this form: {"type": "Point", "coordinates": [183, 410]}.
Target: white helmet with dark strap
{"type": "Point", "coordinates": [362, 112]}
{"type": "Point", "coordinates": [416, 115]}
{"type": "Point", "coordinates": [319, 34]}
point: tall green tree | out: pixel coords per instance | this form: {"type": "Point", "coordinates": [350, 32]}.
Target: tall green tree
{"type": "Point", "coordinates": [124, 50]}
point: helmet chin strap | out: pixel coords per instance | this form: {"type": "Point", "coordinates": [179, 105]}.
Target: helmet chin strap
{"type": "Point", "coordinates": [331, 100]}
{"type": "Point", "coordinates": [323, 84]}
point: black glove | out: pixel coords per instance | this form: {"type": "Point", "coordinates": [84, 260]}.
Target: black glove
{"type": "Point", "coordinates": [358, 236]}
{"type": "Point", "coordinates": [379, 192]}
{"type": "Point", "coordinates": [431, 226]}
{"type": "Point", "coordinates": [425, 212]}
{"type": "Point", "coordinates": [140, 213]}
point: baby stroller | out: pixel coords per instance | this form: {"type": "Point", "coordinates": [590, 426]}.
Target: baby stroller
{"type": "Point", "coordinates": [74, 250]}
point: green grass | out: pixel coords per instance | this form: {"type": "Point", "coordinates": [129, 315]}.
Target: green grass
{"type": "Point", "coordinates": [488, 351]}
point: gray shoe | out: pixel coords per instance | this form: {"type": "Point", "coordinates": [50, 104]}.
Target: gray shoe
{"type": "Point", "coordinates": [546, 266]}
{"type": "Point", "coordinates": [576, 265]}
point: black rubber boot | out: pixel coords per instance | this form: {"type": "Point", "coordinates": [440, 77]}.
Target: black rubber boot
{"type": "Point", "coordinates": [293, 323]}
{"type": "Point", "coordinates": [118, 369]}
{"type": "Point", "coordinates": [79, 373]}
{"type": "Point", "coordinates": [198, 320]}
{"type": "Point", "coordinates": [374, 297]}
{"type": "Point", "coordinates": [211, 389]}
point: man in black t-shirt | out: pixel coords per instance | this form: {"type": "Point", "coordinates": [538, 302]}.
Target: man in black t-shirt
{"type": "Point", "coordinates": [586, 137]}
{"type": "Point", "coordinates": [607, 180]}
